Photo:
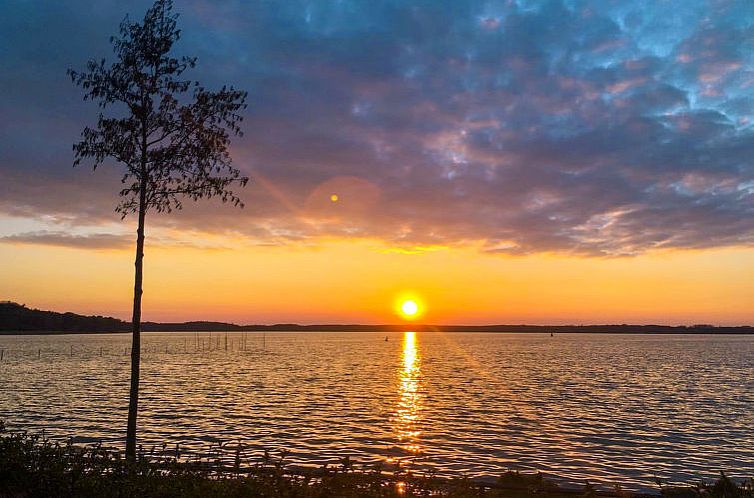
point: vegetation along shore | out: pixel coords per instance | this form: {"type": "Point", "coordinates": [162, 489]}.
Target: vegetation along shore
{"type": "Point", "coordinates": [32, 466]}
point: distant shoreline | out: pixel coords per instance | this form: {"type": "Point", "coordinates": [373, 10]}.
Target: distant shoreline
{"type": "Point", "coordinates": [490, 329]}
{"type": "Point", "coordinates": [17, 319]}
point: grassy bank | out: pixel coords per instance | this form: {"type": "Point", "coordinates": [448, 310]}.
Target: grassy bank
{"type": "Point", "coordinates": [31, 466]}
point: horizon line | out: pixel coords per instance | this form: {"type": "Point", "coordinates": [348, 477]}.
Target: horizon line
{"type": "Point", "coordinates": [442, 325]}
{"type": "Point", "coordinates": [401, 325]}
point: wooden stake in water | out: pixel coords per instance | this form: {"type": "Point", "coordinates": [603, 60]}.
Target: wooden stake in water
{"type": "Point", "coordinates": [226, 341]}
{"type": "Point", "coordinates": [71, 349]}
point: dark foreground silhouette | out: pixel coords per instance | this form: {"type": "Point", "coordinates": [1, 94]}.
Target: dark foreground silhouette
{"type": "Point", "coordinates": [16, 318]}
{"type": "Point", "coordinates": [31, 466]}
{"type": "Point", "coordinates": [170, 136]}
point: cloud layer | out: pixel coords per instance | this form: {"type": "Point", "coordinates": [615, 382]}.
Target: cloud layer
{"type": "Point", "coordinates": [590, 127]}
{"type": "Point", "coordinates": [63, 239]}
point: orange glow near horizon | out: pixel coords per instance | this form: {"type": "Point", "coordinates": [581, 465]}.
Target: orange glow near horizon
{"type": "Point", "coordinates": [367, 281]}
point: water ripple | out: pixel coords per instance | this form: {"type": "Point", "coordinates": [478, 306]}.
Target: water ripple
{"type": "Point", "coordinates": [606, 408]}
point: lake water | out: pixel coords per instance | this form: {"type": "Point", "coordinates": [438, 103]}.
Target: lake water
{"type": "Point", "coordinates": [607, 408]}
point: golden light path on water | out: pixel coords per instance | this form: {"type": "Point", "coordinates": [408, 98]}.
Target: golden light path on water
{"type": "Point", "coordinates": [410, 397]}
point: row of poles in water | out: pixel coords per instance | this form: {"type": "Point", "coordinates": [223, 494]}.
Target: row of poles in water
{"type": "Point", "coordinates": [199, 345]}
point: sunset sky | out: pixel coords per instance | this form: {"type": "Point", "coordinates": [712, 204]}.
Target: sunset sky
{"type": "Point", "coordinates": [518, 161]}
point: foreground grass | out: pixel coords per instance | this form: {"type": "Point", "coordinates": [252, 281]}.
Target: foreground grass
{"type": "Point", "coordinates": [31, 466]}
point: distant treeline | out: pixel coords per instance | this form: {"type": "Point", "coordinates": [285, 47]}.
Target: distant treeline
{"type": "Point", "coordinates": [16, 318]}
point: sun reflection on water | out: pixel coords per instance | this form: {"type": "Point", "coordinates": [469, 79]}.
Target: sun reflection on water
{"type": "Point", "coordinates": [410, 397]}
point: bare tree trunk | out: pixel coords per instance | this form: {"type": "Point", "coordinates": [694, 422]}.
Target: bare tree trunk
{"type": "Point", "coordinates": [133, 400]}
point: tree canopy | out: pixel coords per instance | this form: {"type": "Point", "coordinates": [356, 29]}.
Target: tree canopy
{"type": "Point", "coordinates": [173, 135]}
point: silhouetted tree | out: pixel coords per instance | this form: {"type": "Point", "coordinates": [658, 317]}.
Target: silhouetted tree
{"type": "Point", "coordinates": [172, 136]}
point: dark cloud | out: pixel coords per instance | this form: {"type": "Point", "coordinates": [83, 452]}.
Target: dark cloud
{"type": "Point", "coordinates": [592, 127]}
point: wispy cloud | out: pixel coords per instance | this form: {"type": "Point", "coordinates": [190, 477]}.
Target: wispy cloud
{"type": "Point", "coordinates": [414, 249]}
{"type": "Point", "coordinates": [63, 239]}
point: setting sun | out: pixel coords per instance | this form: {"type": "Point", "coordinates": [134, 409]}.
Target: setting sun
{"type": "Point", "coordinates": [409, 309]}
